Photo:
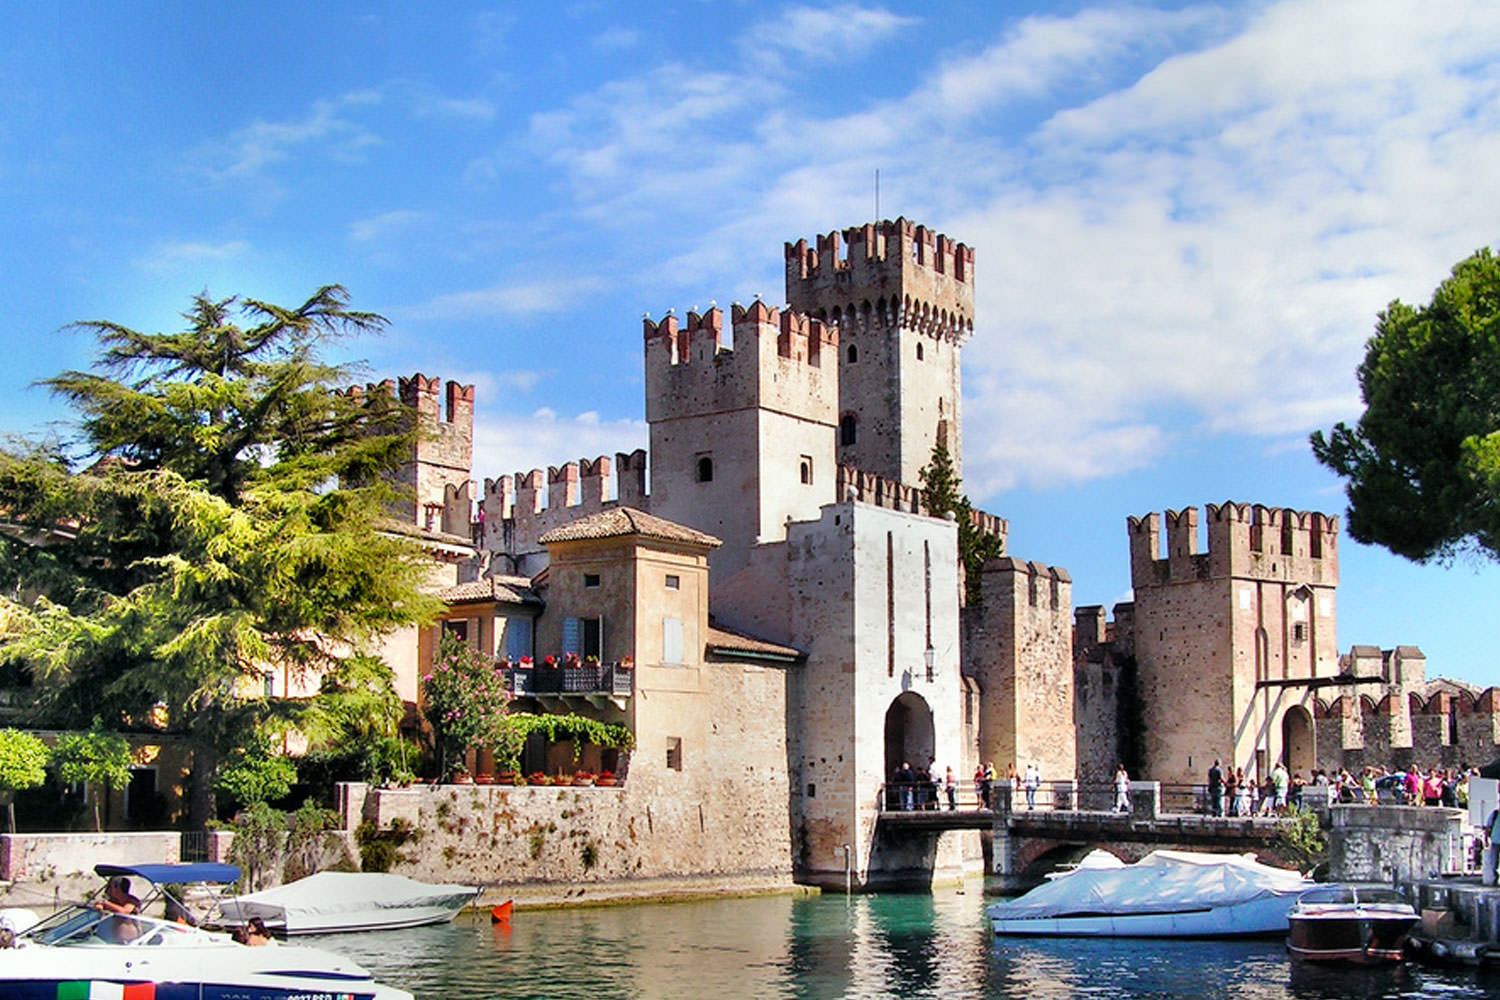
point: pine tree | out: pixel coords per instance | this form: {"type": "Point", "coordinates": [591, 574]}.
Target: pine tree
{"type": "Point", "coordinates": [221, 521]}
{"type": "Point", "coordinates": [941, 496]}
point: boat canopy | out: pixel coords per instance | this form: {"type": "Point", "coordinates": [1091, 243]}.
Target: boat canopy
{"type": "Point", "coordinates": [210, 872]}
{"type": "Point", "coordinates": [331, 900]}
{"type": "Point", "coordinates": [1161, 882]}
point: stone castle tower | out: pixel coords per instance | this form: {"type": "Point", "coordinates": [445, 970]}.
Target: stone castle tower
{"type": "Point", "coordinates": [742, 436]}
{"type": "Point", "coordinates": [902, 300]}
{"type": "Point", "coordinates": [438, 474]}
{"type": "Point", "coordinates": [1226, 641]}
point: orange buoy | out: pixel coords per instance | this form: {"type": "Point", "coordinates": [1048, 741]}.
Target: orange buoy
{"type": "Point", "coordinates": [501, 914]}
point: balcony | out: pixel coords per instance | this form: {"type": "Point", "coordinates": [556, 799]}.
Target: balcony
{"type": "Point", "coordinates": [597, 683]}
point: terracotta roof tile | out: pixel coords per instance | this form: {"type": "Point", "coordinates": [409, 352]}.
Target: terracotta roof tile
{"type": "Point", "coordinates": [619, 521]}
{"type": "Point", "coordinates": [736, 642]}
{"type": "Point", "coordinates": [506, 589]}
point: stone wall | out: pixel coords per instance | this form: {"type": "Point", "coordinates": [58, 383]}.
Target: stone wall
{"type": "Point", "coordinates": [1386, 843]}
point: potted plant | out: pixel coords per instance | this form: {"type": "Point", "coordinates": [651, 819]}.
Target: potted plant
{"type": "Point", "coordinates": [538, 778]}
{"type": "Point", "coordinates": [461, 776]}
{"type": "Point", "coordinates": [563, 779]}
{"type": "Point", "coordinates": [583, 778]}
{"type": "Point", "coordinates": [605, 779]}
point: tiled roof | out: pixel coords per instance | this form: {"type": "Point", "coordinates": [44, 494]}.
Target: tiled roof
{"type": "Point", "coordinates": [424, 534]}
{"type": "Point", "coordinates": [506, 589]}
{"type": "Point", "coordinates": [618, 521]}
{"type": "Point", "coordinates": [724, 641]}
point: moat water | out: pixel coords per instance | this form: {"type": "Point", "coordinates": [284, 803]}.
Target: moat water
{"type": "Point", "coordinates": [821, 948]}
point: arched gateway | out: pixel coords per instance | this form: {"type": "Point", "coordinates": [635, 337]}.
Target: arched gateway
{"type": "Point", "coordinates": [909, 734]}
{"type": "Point", "coordinates": [1297, 746]}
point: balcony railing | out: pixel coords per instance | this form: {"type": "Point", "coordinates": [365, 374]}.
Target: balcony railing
{"type": "Point", "coordinates": [583, 679]}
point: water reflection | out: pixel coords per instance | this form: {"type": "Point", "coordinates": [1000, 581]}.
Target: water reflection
{"type": "Point", "coordinates": [824, 948]}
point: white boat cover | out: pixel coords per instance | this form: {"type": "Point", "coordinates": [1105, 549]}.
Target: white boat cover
{"type": "Point", "coordinates": [1161, 882]}
{"type": "Point", "coordinates": [349, 901]}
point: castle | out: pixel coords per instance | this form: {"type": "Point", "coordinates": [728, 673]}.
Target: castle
{"type": "Point", "coordinates": [794, 622]}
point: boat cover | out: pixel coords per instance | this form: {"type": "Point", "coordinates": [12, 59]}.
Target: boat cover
{"type": "Point", "coordinates": [1161, 882]}
{"type": "Point", "coordinates": [334, 899]}
{"type": "Point", "coordinates": [164, 874]}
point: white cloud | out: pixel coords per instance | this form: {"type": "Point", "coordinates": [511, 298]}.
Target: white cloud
{"type": "Point", "coordinates": [172, 255]}
{"type": "Point", "coordinates": [506, 443]}
{"type": "Point", "coordinates": [522, 297]}
{"type": "Point", "coordinates": [247, 152]}
{"type": "Point", "coordinates": [826, 32]}
{"type": "Point", "coordinates": [385, 225]}
{"type": "Point", "coordinates": [617, 39]}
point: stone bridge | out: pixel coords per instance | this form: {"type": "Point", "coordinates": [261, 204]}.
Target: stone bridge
{"type": "Point", "coordinates": [1025, 844]}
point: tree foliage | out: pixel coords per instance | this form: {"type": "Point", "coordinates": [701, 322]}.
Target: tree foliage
{"type": "Point", "coordinates": [98, 757]}
{"type": "Point", "coordinates": [221, 521]}
{"type": "Point", "coordinates": [23, 765]}
{"type": "Point", "coordinates": [940, 496]}
{"type": "Point", "coordinates": [1423, 463]}
{"type": "Point", "coordinates": [465, 702]}
{"type": "Point", "coordinates": [255, 774]}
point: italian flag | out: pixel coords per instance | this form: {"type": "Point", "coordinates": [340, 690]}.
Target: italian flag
{"type": "Point", "coordinates": [106, 991]}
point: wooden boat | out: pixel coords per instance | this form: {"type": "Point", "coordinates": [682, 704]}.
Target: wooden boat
{"type": "Point", "coordinates": [1350, 923]}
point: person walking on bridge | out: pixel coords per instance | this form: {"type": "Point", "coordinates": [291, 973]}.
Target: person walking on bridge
{"type": "Point", "coordinates": [1122, 790]}
{"type": "Point", "coordinates": [1216, 788]}
{"type": "Point", "coordinates": [1033, 781]}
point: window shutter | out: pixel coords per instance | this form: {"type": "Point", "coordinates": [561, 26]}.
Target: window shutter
{"type": "Point", "coordinates": [671, 640]}
{"type": "Point", "coordinates": [517, 637]}
{"type": "Point", "coordinates": [572, 636]}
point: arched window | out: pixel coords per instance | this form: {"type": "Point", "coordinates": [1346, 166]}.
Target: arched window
{"type": "Point", "coordinates": [848, 431]}
{"type": "Point", "coordinates": [853, 354]}
{"type": "Point", "coordinates": [705, 469]}
{"type": "Point", "coordinates": [806, 465]}
{"type": "Point", "coordinates": [919, 352]}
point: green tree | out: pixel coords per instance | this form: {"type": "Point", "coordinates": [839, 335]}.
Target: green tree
{"type": "Point", "coordinates": [1422, 465]}
{"type": "Point", "coordinates": [98, 757]}
{"type": "Point", "coordinates": [940, 496]}
{"type": "Point", "coordinates": [255, 774]}
{"type": "Point", "coordinates": [23, 765]}
{"type": "Point", "coordinates": [223, 520]}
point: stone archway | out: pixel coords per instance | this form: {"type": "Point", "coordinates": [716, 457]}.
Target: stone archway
{"type": "Point", "coordinates": [909, 733]}
{"type": "Point", "coordinates": [1298, 747]}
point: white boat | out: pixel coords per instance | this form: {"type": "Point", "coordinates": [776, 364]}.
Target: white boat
{"type": "Point", "coordinates": [1167, 894]}
{"type": "Point", "coordinates": [334, 902]}
{"type": "Point", "coordinates": [82, 952]}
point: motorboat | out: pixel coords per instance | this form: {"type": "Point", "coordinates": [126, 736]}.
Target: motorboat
{"type": "Point", "coordinates": [1350, 923]}
{"type": "Point", "coordinates": [334, 902]}
{"type": "Point", "coordinates": [84, 951]}
{"type": "Point", "coordinates": [1167, 894]}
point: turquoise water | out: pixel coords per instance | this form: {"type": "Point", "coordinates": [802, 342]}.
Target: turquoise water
{"type": "Point", "coordinates": [832, 947]}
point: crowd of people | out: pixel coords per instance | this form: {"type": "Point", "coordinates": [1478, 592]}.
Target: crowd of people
{"type": "Point", "coordinates": [1232, 793]}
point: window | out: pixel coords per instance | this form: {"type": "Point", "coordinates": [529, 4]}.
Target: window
{"type": "Point", "coordinates": [671, 640]}
{"type": "Point", "coordinates": [674, 582]}
{"type": "Point", "coordinates": [705, 469]}
{"type": "Point", "coordinates": [919, 352]}
{"type": "Point", "coordinates": [583, 637]}
{"type": "Point", "coordinates": [853, 354]}
{"type": "Point", "coordinates": [458, 628]}
{"type": "Point", "coordinates": [1299, 632]}
{"type": "Point", "coordinates": [674, 753]}
{"type": "Point", "coordinates": [805, 469]}
{"type": "Point", "coordinates": [847, 430]}
{"type": "Point", "coordinates": [591, 580]}
{"type": "Point", "coordinates": [518, 634]}
{"type": "Point", "coordinates": [270, 680]}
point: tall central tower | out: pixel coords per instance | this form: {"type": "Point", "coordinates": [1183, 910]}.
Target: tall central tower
{"type": "Point", "coordinates": [902, 298]}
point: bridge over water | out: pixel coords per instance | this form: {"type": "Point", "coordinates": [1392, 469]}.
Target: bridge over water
{"type": "Point", "coordinates": [1026, 843]}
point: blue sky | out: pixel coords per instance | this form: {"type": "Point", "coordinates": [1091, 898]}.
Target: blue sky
{"type": "Point", "coordinates": [1185, 216]}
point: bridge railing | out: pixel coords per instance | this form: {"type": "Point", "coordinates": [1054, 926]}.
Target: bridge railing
{"type": "Point", "coordinates": [1160, 798]}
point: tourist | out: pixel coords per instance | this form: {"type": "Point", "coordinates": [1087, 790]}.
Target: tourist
{"type": "Point", "coordinates": [256, 934]}
{"type": "Point", "coordinates": [1216, 789]}
{"type": "Point", "coordinates": [1461, 789]}
{"type": "Point", "coordinates": [981, 787]}
{"type": "Point", "coordinates": [1243, 793]}
{"type": "Point", "coordinates": [1367, 785]}
{"type": "Point", "coordinates": [1449, 794]}
{"type": "Point", "coordinates": [950, 785]}
{"type": "Point", "coordinates": [1122, 790]}
{"type": "Point", "coordinates": [1294, 797]}
{"type": "Point", "coordinates": [990, 777]}
{"type": "Point", "coordinates": [1432, 788]}
{"type": "Point", "coordinates": [1032, 781]}
{"type": "Point", "coordinates": [119, 903]}
{"type": "Point", "coordinates": [906, 780]}
{"type": "Point", "coordinates": [1491, 847]}
{"type": "Point", "coordinates": [1010, 786]}
{"type": "Point", "coordinates": [1232, 791]}
{"type": "Point", "coordinates": [1280, 781]}
{"type": "Point", "coordinates": [1414, 786]}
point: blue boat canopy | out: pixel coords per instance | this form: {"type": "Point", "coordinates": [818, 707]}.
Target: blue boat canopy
{"type": "Point", "coordinates": [216, 874]}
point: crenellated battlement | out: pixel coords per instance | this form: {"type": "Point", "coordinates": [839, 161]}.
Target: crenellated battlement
{"type": "Point", "coordinates": [1243, 540]}
{"type": "Point", "coordinates": [778, 359]}
{"type": "Point", "coordinates": [866, 487]}
{"type": "Point", "coordinates": [1029, 583]}
{"type": "Point", "coordinates": [521, 507]}
{"type": "Point", "coordinates": [885, 275]}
